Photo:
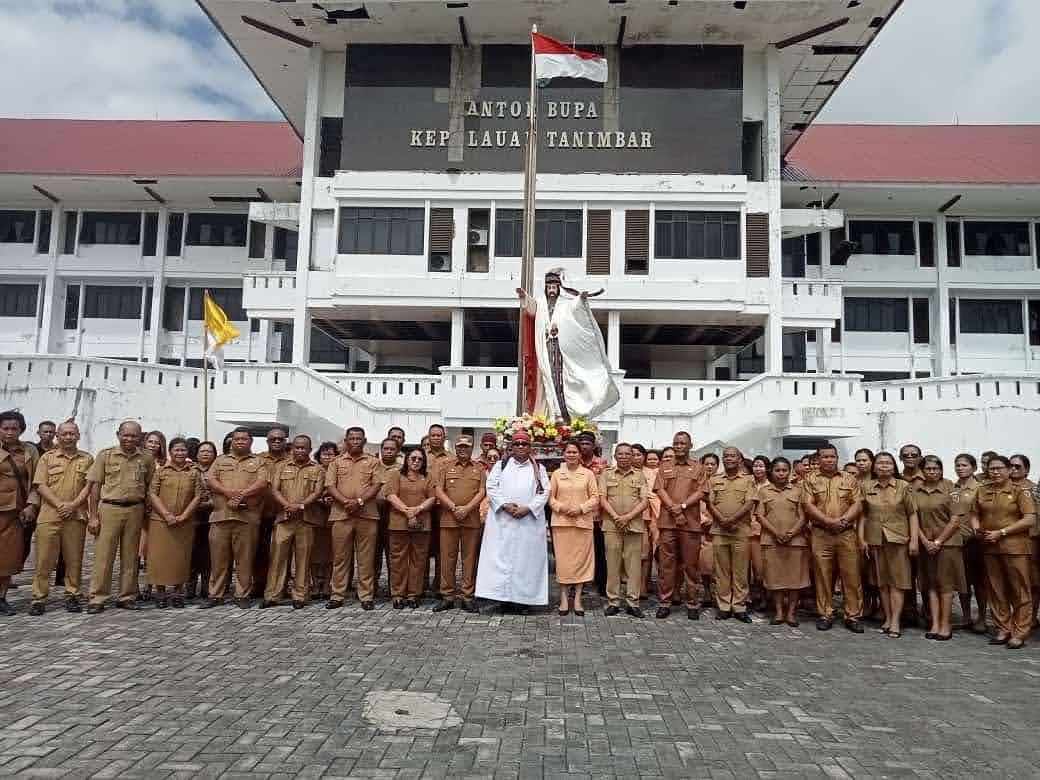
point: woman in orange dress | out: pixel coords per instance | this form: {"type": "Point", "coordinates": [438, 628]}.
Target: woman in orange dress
{"type": "Point", "coordinates": [785, 549]}
{"type": "Point", "coordinates": [759, 471]}
{"type": "Point", "coordinates": [573, 498]}
{"type": "Point", "coordinates": [940, 565]}
{"type": "Point", "coordinates": [963, 495]}
{"type": "Point", "coordinates": [410, 493]}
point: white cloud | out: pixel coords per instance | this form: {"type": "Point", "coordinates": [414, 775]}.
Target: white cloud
{"type": "Point", "coordinates": [121, 59]}
{"type": "Point", "coordinates": [946, 61]}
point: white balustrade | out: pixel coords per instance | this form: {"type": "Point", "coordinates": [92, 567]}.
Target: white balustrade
{"type": "Point", "coordinates": [958, 392]}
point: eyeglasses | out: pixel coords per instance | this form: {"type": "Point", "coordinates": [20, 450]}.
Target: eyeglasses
{"type": "Point", "coordinates": [522, 444]}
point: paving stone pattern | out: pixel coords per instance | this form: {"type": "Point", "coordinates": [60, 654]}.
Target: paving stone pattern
{"type": "Point", "coordinates": [410, 694]}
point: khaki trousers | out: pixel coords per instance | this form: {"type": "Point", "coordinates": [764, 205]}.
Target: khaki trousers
{"type": "Point", "coordinates": [120, 533]}
{"type": "Point", "coordinates": [731, 572]}
{"type": "Point", "coordinates": [354, 538]}
{"type": "Point", "coordinates": [290, 541]}
{"type": "Point", "coordinates": [451, 540]}
{"type": "Point", "coordinates": [64, 538]}
{"type": "Point", "coordinates": [678, 552]}
{"type": "Point", "coordinates": [624, 554]}
{"type": "Point", "coordinates": [409, 559]}
{"type": "Point", "coordinates": [231, 540]}
{"type": "Point", "coordinates": [1010, 597]}
{"type": "Point", "coordinates": [842, 550]}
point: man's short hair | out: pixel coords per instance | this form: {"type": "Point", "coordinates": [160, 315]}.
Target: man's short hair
{"type": "Point", "coordinates": [12, 414]}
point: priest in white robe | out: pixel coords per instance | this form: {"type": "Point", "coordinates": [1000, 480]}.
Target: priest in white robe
{"type": "Point", "coordinates": [514, 560]}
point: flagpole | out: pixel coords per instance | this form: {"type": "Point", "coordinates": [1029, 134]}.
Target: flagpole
{"type": "Point", "coordinates": [527, 252]}
{"type": "Point", "coordinates": [205, 375]}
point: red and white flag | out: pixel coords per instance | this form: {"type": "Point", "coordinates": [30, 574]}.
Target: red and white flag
{"type": "Point", "coordinates": [553, 59]}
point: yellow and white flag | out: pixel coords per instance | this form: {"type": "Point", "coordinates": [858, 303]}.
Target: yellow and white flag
{"type": "Point", "coordinates": [219, 330]}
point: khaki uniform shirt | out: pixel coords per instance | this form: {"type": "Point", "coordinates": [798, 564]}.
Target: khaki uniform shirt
{"type": "Point", "coordinates": [296, 483]}
{"type": "Point", "coordinates": [177, 487]}
{"type": "Point", "coordinates": [411, 492]}
{"type": "Point", "coordinates": [728, 494]}
{"type": "Point", "coordinates": [934, 510]}
{"type": "Point", "coordinates": [17, 467]}
{"type": "Point", "coordinates": [679, 480]}
{"type": "Point", "coordinates": [913, 477]}
{"type": "Point", "coordinates": [461, 484]}
{"type": "Point", "coordinates": [271, 463]}
{"type": "Point", "coordinates": [123, 478]}
{"type": "Point", "coordinates": [1030, 487]}
{"type": "Point", "coordinates": [961, 500]}
{"type": "Point", "coordinates": [997, 509]}
{"type": "Point", "coordinates": [238, 473]}
{"type": "Point", "coordinates": [623, 491]}
{"type": "Point", "coordinates": [832, 495]}
{"type": "Point", "coordinates": [65, 476]}
{"type": "Point", "coordinates": [351, 477]}
{"type": "Point", "coordinates": [435, 461]}
{"type": "Point", "coordinates": [887, 512]}
{"type": "Point", "coordinates": [782, 508]}
{"type": "Point", "coordinates": [567, 488]}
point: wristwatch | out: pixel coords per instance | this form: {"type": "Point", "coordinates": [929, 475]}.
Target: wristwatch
{"type": "Point", "coordinates": [1003, 532]}
{"type": "Point", "coordinates": [682, 506]}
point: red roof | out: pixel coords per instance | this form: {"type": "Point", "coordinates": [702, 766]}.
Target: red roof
{"type": "Point", "coordinates": [917, 154]}
{"type": "Point", "coordinates": [105, 147]}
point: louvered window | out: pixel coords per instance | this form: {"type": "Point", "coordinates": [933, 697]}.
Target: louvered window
{"type": "Point", "coordinates": [637, 241]}
{"type": "Point", "coordinates": [757, 229]}
{"type": "Point", "coordinates": [442, 230]}
{"type": "Point", "coordinates": [597, 242]}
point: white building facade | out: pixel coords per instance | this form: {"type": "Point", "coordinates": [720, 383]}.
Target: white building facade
{"type": "Point", "coordinates": [742, 299]}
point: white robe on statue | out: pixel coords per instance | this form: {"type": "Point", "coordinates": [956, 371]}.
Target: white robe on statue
{"type": "Point", "coordinates": [514, 559]}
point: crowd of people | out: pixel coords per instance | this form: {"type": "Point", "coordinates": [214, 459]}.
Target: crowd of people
{"type": "Point", "coordinates": [298, 523]}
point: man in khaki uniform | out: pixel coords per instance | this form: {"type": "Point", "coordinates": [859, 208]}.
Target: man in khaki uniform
{"type": "Point", "coordinates": [730, 501]}
{"type": "Point", "coordinates": [461, 485]}
{"type": "Point", "coordinates": [19, 503]}
{"type": "Point", "coordinates": [277, 454]}
{"type": "Point", "coordinates": [436, 458]}
{"type": "Point", "coordinates": [61, 528]}
{"type": "Point", "coordinates": [238, 484]}
{"type": "Point", "coordinates": [623, 497]}
{"type": "Point", "coordinates": [296, 486]}
{"type": "Point", "coordinates": [119, 479]}
{"type": "Point", "coordinates": [390, 460]}
{"type": "Point", "coordinates": [353, 483]}
{"type": "Point", "coordinates": [832, 502]}
{"type": "Point", "coordinates": [680, 486]}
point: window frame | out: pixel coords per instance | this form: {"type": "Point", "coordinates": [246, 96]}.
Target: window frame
{"type": "Point", "coordinates": [973, 319]}
{"type": "Point", "coordinates": [31, 237]}
{"type": "Point", "coordinates": [731, 218]}
{"type": "Point", "coordinates": [413, 218]}
{"type": "Point", "coordinates": [92, 307]}
{"type": "Point", "coordinates": [874, 306]}
{"type": "Point", "coordinates": [85, 223]}
{"type": "Point", "coordinates": [196, 217]}
{"type": "Point", "coordinates": [877, 222]}
{"type": "Point", "coordinates": [568, 219]}
{"type": "Point", "coordinates": [220, 296]}
{"type": "Point", "coordinates": [968, 251]}
{"type": "Point", "coordinates": [18, 294]}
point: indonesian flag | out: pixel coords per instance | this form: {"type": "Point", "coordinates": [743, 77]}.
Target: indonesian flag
{"type": "Point", "coordinates": [553, 59]}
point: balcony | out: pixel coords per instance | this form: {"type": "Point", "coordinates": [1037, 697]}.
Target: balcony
{"type": "Point", "coordinates": [268, 294]}
{"type": "Point", "coordinates": [811, 303]}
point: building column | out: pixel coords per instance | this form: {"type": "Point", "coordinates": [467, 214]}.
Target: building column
{"type": "Point", "coordinates": [823, 350]}
{"type": "Point", "coordinates": [941, 343]}
{"type": "Point", "coordinates": [311, 152]}
{"type": "Point", "coordinates": [1025, 334]}
{"type": "Point", "coordinates": [957, 334]}
{"type": "Point", "coordinates": [910, 332]}
{"type": "Point", "coordinates": [614, 339]}
{"type": "Point", "coordinates": [774, 332]}
{"type": "Point", "coordinates": [158, 286]}
{"type": "Point", "coordinates": [44, 339]}
{"type": "Point", "coordinates": [458, 336]}
{"type": "Point", "coordinates": [80, 328]}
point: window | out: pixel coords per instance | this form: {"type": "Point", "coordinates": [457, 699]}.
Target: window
{"type": "Point", "coordinates": [216, 230]}
{"type": "Point", "coordinates": [69, 245]}
{"type": "Point", "coordinates": [877, 315]}
{"type": "Point", "coordinates": [174, 234]}
{"type": "Point", "coordinates": [147, 316]}
{"type": "Point", "coordinates": [1034, 323]}
{"type": "Point", "coordinates": [173, 309]}
{"type": "Point", "coordinates": [882, 238]}
{"type": "Point", "coordinates": [557, 232]}
{"type": "Point", "coordinates": [258, 240]}
{"type": "Point", "coordinates": [16, 227]}
{"type": "Point", "coordinates": [110, 227]}
{"type": "Point", "coordinates": [991, 316]}
{"type": "Point", "coordinates": [18, 300]}
{"type": "Point", "coordinates": [328, 349]}
{"type": "Point", "coordinates": [43, 238]}
{"type": "Point", "coordinates": [713, 235]}
{"type": "Point", "coordinates": [841, 248]}
{"type": "Point", "coordinates": [997, 239]}
{"type": "Point", "coordinates": [953, 244]}
{"type": "Point", "coordinates": [922, 321]}
{"type": "Point", "coordinates": [381, 231]}
{"type": "Point", "coordinates": [812, 249]}
{"type": "Point", "coordinates": [112, 303]}
{"type": "Point", "coordinates": [792, 257]}
{"type": "Point", "coordinates": [227, 298]}
{"type": "Point", "coordinates": [151, 234]}
{"type": "Point", "coordinates": [926, 234]}
{"type": "Point", "coordinates": [285, 247]}
{"type": "Point", "coordinates": [71, 307]}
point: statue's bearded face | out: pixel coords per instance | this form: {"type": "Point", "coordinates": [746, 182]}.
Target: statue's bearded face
{"type": "Point", "coordinates": [552, 289]}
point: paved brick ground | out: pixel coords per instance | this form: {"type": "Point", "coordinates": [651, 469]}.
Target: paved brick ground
{"type": "Point", "coordinates": [234, 693]}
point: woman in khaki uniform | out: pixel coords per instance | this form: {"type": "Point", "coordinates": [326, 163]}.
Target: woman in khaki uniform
{"type": "Point", "coordinates": [1002, 515]}
{"type": "Point", "coordinates": [889, 530]}
{"type": "Point", "coordinates": [174, 495]}
{"type": "Point", "coordinates": [18, 502]}
{"type": "Point", "coordinates": [759, 470]}
{"type": "Point", "coordinates": [1020, 479]}
{"type": "Point", "coordinates": [198, 577]}
{"type": "Point", "coordinates": [963, 496]}
{"type": "Point", "coordinates": [154, 443]}
{"type": "Point", "coordinates": [410, 493]}
{"type": "Point", "coordinates": [864, 460]}
{"type": "Point", "coordinates": [785, 549]}
{"type": "Point", "coordinates": [574, 499]}
{"type": "Point", "coordinates": [941, 564]}
{"type": "Point", "coordinates": [321, 551]}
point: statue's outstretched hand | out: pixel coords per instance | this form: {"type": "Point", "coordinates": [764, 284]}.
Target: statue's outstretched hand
{"type": "Point", "coordinates": [521, 293]}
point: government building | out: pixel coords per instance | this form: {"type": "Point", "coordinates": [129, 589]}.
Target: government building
{"type": "Point", "coordinates": [767, 280]}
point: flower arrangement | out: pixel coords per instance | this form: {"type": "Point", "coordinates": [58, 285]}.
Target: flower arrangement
{"type": "Point", "coordinates": [545, 433]}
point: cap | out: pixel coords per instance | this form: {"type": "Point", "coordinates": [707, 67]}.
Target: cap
{"type": "Point", "coordinates": [464, 441]}
{"type": "Point", "coordinates": [522, 436]}
{"type": "Point", "coordinates": [587, 435]}
{"type": "Point", "coordinates": [489, 437]}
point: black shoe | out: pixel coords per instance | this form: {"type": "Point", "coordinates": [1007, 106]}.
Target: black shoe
{"type": "Point", "coordinates": [299, 604]}
{"type": "Point", "coordinates": [579, 612]}
{"type": "Point", "coordinates": [930, 635]}
{"type": "Point", "coordinates": [72, 604]}
{"type": "Point", "coordinates": [368, 606]}
{"type": "Point", "coordinates": [776, 622]}
{"type": "Point", "coordinates": [265, 604]}
{"type": "Point", "coordinates": [126, 605]}
{"type": "Point", "coordinates": [611, 610]}
{"type": "Point", "coordinates": [854, 626]}
{"type": "Point", "coordinates": [162, 604]}
{"type": "Point", "coordinates": [443, 605]}
{"type": "Point", "coordinates": [470, 606]}
{"type": "Point", "coordinates": [635, 612]}
{"type": "Point", "coordinates": [663, 612]}
{"type": "Point", "coordinates": [398, 604]}
{"type": "Point", "coordinates": [177, 602]}
{"type": "Point", "coordinates": [334, 604]}
{"type": "Point", "coordinates": [36, 608]}
{"type": "Point", "coordinates": [210, 603]}
{"type": "Point", "coordinates": [824, 624]}
{"type": "Point", "coordinates": [245, 603]}
{"type": "Point", "coordinates": [95, 609]}
{"type": "Point", "coordinates": [743, 617]}
{"type": "Point", "coordinates": [723, 614]}
{"type": "Point", "coordinates": [413, 603]}
{"type": "Point", "coordinates": [999, 640]}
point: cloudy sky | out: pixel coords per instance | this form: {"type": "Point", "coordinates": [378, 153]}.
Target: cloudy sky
{"type": "Point", "coordinates": [939, 61]}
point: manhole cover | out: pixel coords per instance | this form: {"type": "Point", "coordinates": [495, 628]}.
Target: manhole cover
{"type": "Point", "coordinates": [409, 710]}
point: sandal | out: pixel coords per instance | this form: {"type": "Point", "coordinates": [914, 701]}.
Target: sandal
{"type": "Point", "coordinates": [894, 634]}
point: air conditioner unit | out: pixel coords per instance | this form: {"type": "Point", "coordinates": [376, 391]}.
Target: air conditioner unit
{"type": "Point", "coordinates": [440, 262]}
{"type": "Point", "coordinates": [478, 237]}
